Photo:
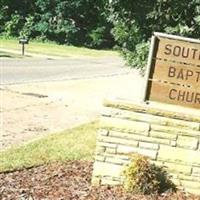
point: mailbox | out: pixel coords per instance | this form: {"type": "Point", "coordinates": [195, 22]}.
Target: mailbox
{"type": "Point", "coordinates": [23, 41]}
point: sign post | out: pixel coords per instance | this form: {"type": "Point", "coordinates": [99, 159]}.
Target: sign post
{"type": "Point", "coordinates": [173, 72]}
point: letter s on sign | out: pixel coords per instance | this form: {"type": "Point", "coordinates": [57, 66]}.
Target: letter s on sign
{"type": "Point", "coordinates": [168, 50]}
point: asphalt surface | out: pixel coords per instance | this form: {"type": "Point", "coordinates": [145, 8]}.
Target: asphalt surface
{"type": "Point", "coordinates": [16, 71]}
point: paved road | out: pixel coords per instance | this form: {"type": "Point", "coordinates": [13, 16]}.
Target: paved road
{"type": "Point", "coordinates": [15, 71]}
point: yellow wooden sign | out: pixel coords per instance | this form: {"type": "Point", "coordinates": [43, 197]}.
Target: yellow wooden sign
{"type": "Point", "coordinates": [173, 74]}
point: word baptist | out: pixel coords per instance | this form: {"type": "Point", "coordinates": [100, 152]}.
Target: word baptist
{"type": "Point", "coordinates": [184, 74]}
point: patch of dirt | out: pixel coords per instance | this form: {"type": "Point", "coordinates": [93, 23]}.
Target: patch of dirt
{"type": "Point", "coordinates": [66, 181]}
{"type": "Point", "coordinates": [31, 111]}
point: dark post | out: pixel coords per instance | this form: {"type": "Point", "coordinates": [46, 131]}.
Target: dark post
{"type": "Point", "coordinates": [22, 49]}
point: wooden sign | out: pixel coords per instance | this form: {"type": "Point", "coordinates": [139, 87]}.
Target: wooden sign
{"type": "Point", "coordinates": [173, 74]}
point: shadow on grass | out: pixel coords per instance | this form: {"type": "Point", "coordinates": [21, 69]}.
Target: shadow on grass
{"type": "Point", "coordinates": [11, 55]}
{"type": "Point", "coordinates": [6, 56]}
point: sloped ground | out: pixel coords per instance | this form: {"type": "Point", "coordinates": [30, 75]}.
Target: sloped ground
{"type": "Point", "coordinates": [67, 181]}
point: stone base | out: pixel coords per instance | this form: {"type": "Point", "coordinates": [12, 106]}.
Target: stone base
{"type": "Point", "coordinates": [168, 138]}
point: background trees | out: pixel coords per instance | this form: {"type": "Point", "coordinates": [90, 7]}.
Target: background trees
{"type": "Point", "coordinates": [79, 22]}
{"type": "Point", "coordinates": [127, 24]}
{"type": "Point", "coordinates": [135, 21]}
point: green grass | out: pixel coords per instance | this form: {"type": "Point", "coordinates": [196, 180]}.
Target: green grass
{"type": "Point", "coordinates": [50, 48]}
{"type": "Point", "coordinates": [74, 144]}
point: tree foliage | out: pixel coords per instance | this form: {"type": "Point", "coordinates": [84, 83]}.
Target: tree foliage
{"type": "Point", "coordinates": [135, 21]}
{"type": "Point", "coordinates": [80, 22]}
{"type": "Point", "coordinates": [93, 23]}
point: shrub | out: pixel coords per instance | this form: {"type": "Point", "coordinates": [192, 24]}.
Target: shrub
{"type": "Point", "coordinates": [138, 57]}
{"type": "Point", "coordinates": [12, 27]}
{"type": "Point", "coordinates": [140, 176]}
{"type": "Point", "coordinates": [27, 29]}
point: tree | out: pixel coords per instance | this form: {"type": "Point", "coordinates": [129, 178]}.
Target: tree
{"type": "Point", "coordinates": [80, 22]}
{"type": "Point", "coordinates": [135, 21]}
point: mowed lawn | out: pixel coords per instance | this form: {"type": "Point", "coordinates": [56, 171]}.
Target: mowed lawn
{"type": "Point", "coordinates": [74, 144]}
{"type": "Point", "coordinates": [51, 48]}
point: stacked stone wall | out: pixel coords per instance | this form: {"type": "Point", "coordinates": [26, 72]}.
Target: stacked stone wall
{"type": "Point", "coordinates": [170, 139]}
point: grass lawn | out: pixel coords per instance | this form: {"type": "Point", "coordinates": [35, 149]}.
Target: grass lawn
{"type": "Point", "coordinates": [50, 48]}
{"type": "Point", "coordinates": [74, 144]}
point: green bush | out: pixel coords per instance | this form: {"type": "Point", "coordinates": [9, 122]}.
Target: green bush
{"type": "Point", "coordinates": [138, 57]}
{"type": "Point", "coordinates": [80, 22]}
{"type": "Point", "coordinates": [12, 27]}
{"type": "Point", "coordinates": [140, 176]}
{"type": "Point", "coordinates": [27, 28]}
{"type": "Point", "coordinates": [135, 21]}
